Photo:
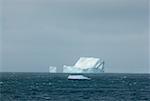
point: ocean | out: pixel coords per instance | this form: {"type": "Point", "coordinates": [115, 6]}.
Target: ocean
{"type": "Point", "coordinates": [56, 87]}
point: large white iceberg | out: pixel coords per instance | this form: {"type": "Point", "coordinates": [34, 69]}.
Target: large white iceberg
{"type": "Point", "coordinates": [86, 65]}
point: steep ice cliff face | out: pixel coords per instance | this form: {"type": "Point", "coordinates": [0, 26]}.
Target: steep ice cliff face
{"type": "Point", "coordinates": [86, 65]}
{"type": "Point", "coordinates": [70, 69]}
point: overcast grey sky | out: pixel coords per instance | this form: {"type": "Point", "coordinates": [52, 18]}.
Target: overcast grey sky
{"type": "Point", "coordinates": [0, 35]}
{"type": "Point", "coordinates": [40, 33]}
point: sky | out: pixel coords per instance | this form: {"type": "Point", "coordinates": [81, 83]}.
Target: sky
{"type": "Point", "coordinates": [0, 35]}
{"type": "Point", "coordinates": [37, 34]}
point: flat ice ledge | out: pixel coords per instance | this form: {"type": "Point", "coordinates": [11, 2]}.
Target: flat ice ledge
{"type": "Point", "coordinates": [78, 77]}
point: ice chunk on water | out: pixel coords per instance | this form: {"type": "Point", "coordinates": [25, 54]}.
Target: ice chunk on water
{"type": "Point", "coordinates": [78, 77]}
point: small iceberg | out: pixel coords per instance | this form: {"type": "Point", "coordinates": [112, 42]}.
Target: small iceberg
{"type": "Point", "coordinates": [52, 69]}
{"type": "Point", "coordinates": [78, 77]}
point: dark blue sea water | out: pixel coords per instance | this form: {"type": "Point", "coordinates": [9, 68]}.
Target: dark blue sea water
{"type": "Point", "coordinates": [56, 87]}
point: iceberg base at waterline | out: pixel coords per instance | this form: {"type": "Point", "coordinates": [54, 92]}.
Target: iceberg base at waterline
{"type": "Point", "coordinates": [78, 77]}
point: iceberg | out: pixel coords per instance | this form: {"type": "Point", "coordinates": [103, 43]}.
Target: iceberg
{"type": "Point", "coordinates": [86, 65]}
{"type": "Point", "coordinates": [52, 69]}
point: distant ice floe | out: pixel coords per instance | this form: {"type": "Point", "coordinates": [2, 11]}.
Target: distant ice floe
{"type": "Point", "coordinates": [52, 69]}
